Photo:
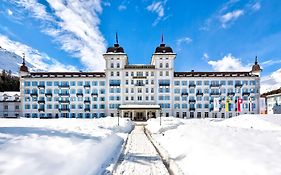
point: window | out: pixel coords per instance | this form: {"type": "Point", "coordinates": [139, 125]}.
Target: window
{"type": "Point", "coordinates": [6, 107]}
{"type": "Point", "coordinates": [118, 74]}
{"type": "Point", "coordinates": [118, 65]}
{"type": "Point", "coordinates": [112, 74]}
{"type": "Point", "coordinates": [49, 83]}
{"type": "Point", "coordinates": [167, 65]}
{"type": "Point", "coordinates": [80, 83]}
{"type": "Point", "coordinates": [111, 65]}
{"type": "Point", "coordinates": [34, 83]}
{"type": "Point", "coordinates": [127, 74]}
{"type": "Point", "coordinates": [161, 73]}
{"type": "Point", "coordinates": [161, 65]}
{"type": "Point", "coordinates": [167, 73]}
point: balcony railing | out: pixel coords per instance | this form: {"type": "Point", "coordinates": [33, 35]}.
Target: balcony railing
{"type": "Point", "coordinates": [215, 93]}
{"type": "Point", "coordinates": [41, 110]}
{"type": "Point", "coordinates": [79, 94]}
{"type": "Point", "coordinates": [192, 101]}
{"type": "Point", "coordinates": [192, 85]}
{"type": "Point", "coordinates": [48, 94]}
{"type": "Point", "coordinates": [238, 85]}
{"type": "Point", "coordinates": [230, 93]}
{"type": "Point", "coordinates": [214, 85]}
{"type": "Point", "coordinates": [184, 93]}
{"type": "Point", "coordinates": [164, 83]}
{"type": "Point", "coordinates": [191, 109]}
{"type": "Point", "coordinates": [114, 84]}
{"type": "Point", "coordinates": [64, 94]}
{"type": "Point", "coordinates": [41, 86]}
{"type": "Point", "coordinates": [139, 84]}
{"type": "Point", "coordinates": [87, 86]}
{"type": "Point", "coordinates": [41, 101]}
{"type": "Point", "coordinates": [87, 101]}
{"type": "Point", "coordinates": [94, 94]}
{"type": "Point", "coordinates": [87, 109]}
{"type": "Point", "coordinates": [64, 109]}
{"type": "Point", "coordinates": [33, 94]}
{"type": "Point", "coordinates": [64, 101]}
{"type": "Point", "coordinates": [245, 93]}
{"type": "Point", "coordinates": [199, 94]}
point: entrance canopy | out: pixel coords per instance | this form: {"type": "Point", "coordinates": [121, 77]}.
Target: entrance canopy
{"type": "Point", "coordinates": [128, 107]}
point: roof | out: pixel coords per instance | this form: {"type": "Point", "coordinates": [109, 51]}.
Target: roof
{"type": "Point", "coordinates": [66, 74]}
{"type": "Point", "coordinates": [213, 74]}
{"type": "Point", "coordinates": [9, 96]}
{"type": "Point", "coordinates": [273, 92]}
{"type": "Point", "coordinates": [133, 106]}
{"type": "Point", "coordinates": [115, 49]}
{"type": "Point", "coordinates": [163, 49]}
{"type": "Point", "coordinates": [138, 66]}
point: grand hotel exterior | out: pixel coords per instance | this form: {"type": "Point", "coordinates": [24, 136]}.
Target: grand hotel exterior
{"type": "Point", "coordinates": [139, 91]}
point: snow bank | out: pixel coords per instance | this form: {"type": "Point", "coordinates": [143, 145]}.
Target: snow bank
{"type": "Point", "coordinates": [239, 145]}
{"type": "Point", "coordinates": [60, 146]}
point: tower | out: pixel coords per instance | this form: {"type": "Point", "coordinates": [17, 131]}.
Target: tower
{"type": "Point", "coordinates": [256, 69]}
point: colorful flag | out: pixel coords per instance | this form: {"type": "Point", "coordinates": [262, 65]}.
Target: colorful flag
{"type": "Point", "coordinates": [216, 104]}
{"type": "Point", "coordinates": [227, 104]}
{"type": "Point", "coordinates": [250, 104]}
{"type": "Point", "coordinates": [239, 104]}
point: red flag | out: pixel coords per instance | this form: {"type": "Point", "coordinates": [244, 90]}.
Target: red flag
{"type": "Point", "coordinates": [239, 103]}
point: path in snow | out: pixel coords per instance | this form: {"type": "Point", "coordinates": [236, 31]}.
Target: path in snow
{"type": "Point", "coordinates": [140, 157]}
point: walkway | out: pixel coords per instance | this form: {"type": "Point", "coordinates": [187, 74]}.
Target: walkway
{"type": "Point", "coordinates": [140, 157]}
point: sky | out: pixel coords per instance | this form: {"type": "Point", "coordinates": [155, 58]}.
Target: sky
{"type": "Point", "coordinates": [72, 35]}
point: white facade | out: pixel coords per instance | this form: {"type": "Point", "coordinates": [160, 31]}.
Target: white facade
{"type": "Point", "coordinates": [10, 105]}
{"type": "Point", "coordinates": [98, 94]}
{"type": "Point", "coordinates": [272, 101]}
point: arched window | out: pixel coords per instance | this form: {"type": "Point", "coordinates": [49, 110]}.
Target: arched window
{"type": "Point", "coordinates": [118, 65]}
{"type": "Point", "coordinates": [111, 65]}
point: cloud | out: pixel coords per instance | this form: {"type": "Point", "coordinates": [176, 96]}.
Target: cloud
{"type": "Point", "coordinates": [271, 82]}
{"type": "Point", "coordinates": [229, 63]}
{"type": "Point", "coordinates": [256, 6]}
{"type": "Point", "coordinates": [74, 25]}
{"type": "Point", "coordinates": [122, 7]}
{"type": "Point", "coordinates": [9, 12]}
{"type": "Point", "coordinates": [184, 40]}
{"type": "Point", "coordinates": [205, 56]}
{"type": "Point", "coordinates": [40, 61]}
{"type": "Point", "coordinates": [157, 7]}
{"type": "Point", "coordinates": [230, 16]}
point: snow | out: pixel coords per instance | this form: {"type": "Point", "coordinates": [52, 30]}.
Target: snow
{"type": "Point", "coordinates": [60, 146]}
{"type": "Point", "coordinates": [140, 156]}
{"type": "Point", "coordinates": [247, 144]}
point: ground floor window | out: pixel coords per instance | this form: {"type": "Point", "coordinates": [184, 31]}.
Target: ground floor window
{"type": "Point", "coordinates": [111, 114]}
{"type": "Point", "coordinates": [214, 115]}
{"type": "Point", "coordinates": [198, 114]}
{"type": "Point", "coordinates": [167, 114]}
{"type": "Point", "coordinates": [192, 115]}
{"type": "Point", "coordinates": [222, 115]}
{"type": "Point", "coordinates": [27, 115]}
{"type": "Point", "coordinates": [184, 114]}
{"type": "Point", "coordinates": [230, 115]}
{"type": "Point", "coordinates": [178, 114]}
{"type": "Point", "coordinates": [206, 114]}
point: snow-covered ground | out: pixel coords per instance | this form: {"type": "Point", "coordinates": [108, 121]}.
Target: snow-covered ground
{"type": "Point", "coordinates": [246, 145]}
{"type": "Point", "coordinates": [60, 146]}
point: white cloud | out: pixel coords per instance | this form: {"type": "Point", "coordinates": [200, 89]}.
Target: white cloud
{"type": "Point", "coordinates": [271, 82]}
{"type": "Point", "coordinates": [256, 6]}
{"type": "Point", "coordinates": [40, 61]}
{"type": "Point", "coordinates": [230, 16]}
{"type": "Point", "coordinates": [205, 56]}
{"type": "Point", "coordinates": [10, 13]}
{"type": "Point", "coordinates": [122, 7]}
{"type": "Point", "coordinates": [75, 26]}
{"type": "Point", "coordinates": [184, 40]}
{"type": "Point", "coordinates": [229, 63]}
{"type": "Point", "coordinates": [157, 7]}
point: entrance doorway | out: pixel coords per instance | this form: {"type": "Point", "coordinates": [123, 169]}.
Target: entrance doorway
{"type": "Point", "coordinates": [140, 116]}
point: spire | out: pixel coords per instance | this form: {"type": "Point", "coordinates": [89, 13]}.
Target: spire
{"type": "Point", "coordinates": [162, 39]}
{"type": "Point", "coordinates": [116, 37]}
{"type": "Point", "coordinates": [23, 58]}
{"type": "Point", "coordinates": [256, 60]}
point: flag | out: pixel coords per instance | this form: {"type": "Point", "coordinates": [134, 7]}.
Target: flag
{"type": "Point", "coordinates": [250, 104]}
{"type": "Point", "coordinates": [239, 104]}
{"type": "Point", "coordinates": [227, 105]}
{"type": "Point", "coordinates": [216, 104]}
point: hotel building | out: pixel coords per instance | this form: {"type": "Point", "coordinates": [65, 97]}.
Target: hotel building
{"type": "Point", "coordinates": [139, 91]}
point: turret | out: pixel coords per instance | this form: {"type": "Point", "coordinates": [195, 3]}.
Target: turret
{"type": "Point", "coordinates": [23, 70]}
{"type": "Point", "coordinates": [256, 69]}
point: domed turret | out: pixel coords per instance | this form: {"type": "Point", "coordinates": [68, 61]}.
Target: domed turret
{"type": "Point", "coordinates": [163, 48]}
{"type": "Point", "coordinates": [23, 67]}
{"type": "Point", "coordinates": [116, 48]}
{"type": "Point", "coordinates": [256, 69]}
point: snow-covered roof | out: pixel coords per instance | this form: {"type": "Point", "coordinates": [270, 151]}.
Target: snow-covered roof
{"type": "Point", "coordinates": [134, 106]}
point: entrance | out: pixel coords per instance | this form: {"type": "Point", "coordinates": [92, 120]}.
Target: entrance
{"type": "Point", "coordinates": [139, 116]}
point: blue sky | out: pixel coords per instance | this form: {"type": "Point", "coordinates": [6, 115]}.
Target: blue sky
{"type": "Point", "coordinates": [206, 35]}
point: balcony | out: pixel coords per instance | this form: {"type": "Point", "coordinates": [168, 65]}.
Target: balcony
{"type": "Point", "coordinates": [34, 94]}
{"type": "Point", "coordinates": [139, 84]}
{"type": "Point", "coordinates": [245, 93]}
{"type": "Point", "coordinates": [184, 93]}
{"type": "Point", "coordinates": [87, 86]}
{"type": "Point", "coordinates": [64, 101]}
{"type": "Point", "coordinates": [41, 101]}
{"type": "Point", "coordinates": [41, 110]}
{"type": "Point", "coordinates": [87, 101]}
{"type": "Point", "coordinates": [192, 109]}
{"type": "Point", "coordinates": [64, 94]}
{"type": "Point", "coordinates": [192, 85]}
{"type": "Point", "coordinates": [79, 94]}
{"type": "Point", "coordinates": [199, 94]}
{"type": "Point", "coordinates": [41, 86]}
{"type": "Point", "coordinates": [164, 83]}
{"type": "Point", "coordinates": [94, 94]}
{"type": "Point", "coordinates": [48, 94]}
{"type": "Point", "coordinates": [238, 85]}
{"type": "Point", "coordinates": [87, 109]}
{"type": "Point", "coordinates": [192, 101]}
{"type": "Point", "coordinates": [215, 85]}
{"type": "Point", "coordinates": [211, 109]}
{"type": "Point", "coordinates": [230, 93]}
{"type": "Point", "coordinates": [215, 93]}
{"type": "Point", "coordinates": [114, 84]}
{"type": "Point", "coordinates": [64, 86]}
{"type": "Point", "coordinates": [139, 77]}
{"type": "Point", "coordinates": [64, 109]}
